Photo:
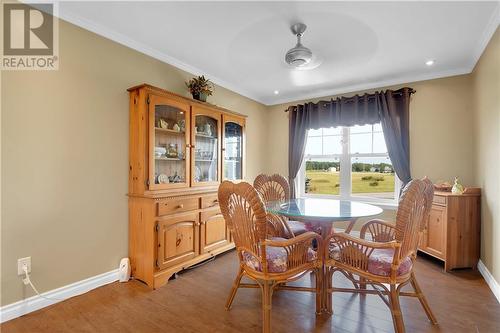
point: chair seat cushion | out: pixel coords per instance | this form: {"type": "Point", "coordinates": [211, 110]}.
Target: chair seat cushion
{"type": "Point", "coordinates": [379, 262]}
{"type": "Point", "coordinates": [297, 227]}
{"type": "Point", "coordinates": [313, 228]}
{"type": "Point", "coordinates": [276, 258]}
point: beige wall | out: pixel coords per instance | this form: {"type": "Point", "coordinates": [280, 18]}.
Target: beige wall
{"type": "Point", "coordinates": [65, 157]}
{"type": "Point", "coordinates": [486, 87]}
{"type": "Point", "coordinates": [441, 138]}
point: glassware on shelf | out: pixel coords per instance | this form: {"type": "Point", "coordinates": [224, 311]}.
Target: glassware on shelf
{"type": "Point", "coordinates": [233, 141]}
{"type": "Point", "coordinates": [168, 161]}
{"type": "Point", "coordinates": [160, 151]}
{"type": "Point", "coordinates": [172, 151]}
{"type": "Point", "coordinates": [205, 154]}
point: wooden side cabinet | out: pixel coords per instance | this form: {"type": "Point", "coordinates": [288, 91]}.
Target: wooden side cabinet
{"type": "Point", "coordinates": [452, 231]}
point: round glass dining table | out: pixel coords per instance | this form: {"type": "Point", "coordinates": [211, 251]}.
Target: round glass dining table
{"type": "Point", "coordinates": [323, 212]}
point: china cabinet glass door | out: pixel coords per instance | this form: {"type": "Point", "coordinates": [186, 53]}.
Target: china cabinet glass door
{"type": "Point", "coordinates": [206, 147]}
{"type": "Point", "coordinates": [232, 150]}
{"type": "Point", "coordinates": [168, 143]}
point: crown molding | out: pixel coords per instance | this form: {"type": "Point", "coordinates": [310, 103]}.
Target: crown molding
{"type": "Point", "coordinates": [150, 51]}
{"type": "Point", "coordinates": [103, 31]}
{"type": "Point", "coordinates": [372, 85]}
{"type": "Point", "coordinates": [482, 43]}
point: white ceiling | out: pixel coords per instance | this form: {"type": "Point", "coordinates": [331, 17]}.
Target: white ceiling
{"type": "Point", "coordinates": [241, 45]}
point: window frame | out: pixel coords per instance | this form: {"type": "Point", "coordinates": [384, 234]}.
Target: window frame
{"type": "Point", "coordinates": [345, 178]}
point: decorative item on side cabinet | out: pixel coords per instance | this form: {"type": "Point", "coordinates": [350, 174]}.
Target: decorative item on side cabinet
{"type": "Point", "coordinates": [457, 187]}
{"type": "Point", "coordinates": [452, 230]}
{"type": "Point", "coordinates": [176, 148]}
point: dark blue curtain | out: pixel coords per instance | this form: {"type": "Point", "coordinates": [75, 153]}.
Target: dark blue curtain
{"type": "Point", "coordinates": [390, 108]}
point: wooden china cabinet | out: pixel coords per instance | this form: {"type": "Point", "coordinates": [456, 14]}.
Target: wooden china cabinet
{"type": "Point", "coordinates": [179, 152]}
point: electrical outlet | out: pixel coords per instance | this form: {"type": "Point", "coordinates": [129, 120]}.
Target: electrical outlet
{"type": "Point", "coordinates": [20, 264]}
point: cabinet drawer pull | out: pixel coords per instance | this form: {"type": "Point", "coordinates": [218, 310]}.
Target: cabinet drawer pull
{"type": "Point", "coordinates": [180, 206]}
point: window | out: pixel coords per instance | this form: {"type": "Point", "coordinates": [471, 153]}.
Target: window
{"type": "Point", "coordinates": [348, 162]}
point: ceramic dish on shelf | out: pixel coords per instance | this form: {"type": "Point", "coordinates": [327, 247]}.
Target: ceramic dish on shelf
{"type": "Point", "coordinates": [163, 178]}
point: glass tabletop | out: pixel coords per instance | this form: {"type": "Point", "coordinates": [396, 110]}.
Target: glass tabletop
{"type": "Point", "coordinates": [323, 209]}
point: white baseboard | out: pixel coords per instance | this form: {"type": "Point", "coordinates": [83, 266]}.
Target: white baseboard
{"type": "Point", "coordinates": [490, 280]}
{"type": "Point", "coordinates": [17, 309]}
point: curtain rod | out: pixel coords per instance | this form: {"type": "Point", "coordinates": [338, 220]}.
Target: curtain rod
{"type": "Point", "coordinates": [370, 96]}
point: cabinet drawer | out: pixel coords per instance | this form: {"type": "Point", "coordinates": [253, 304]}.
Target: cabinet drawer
{"type": "Point", "coordinates": [209, 201]}
{"type": "Point", "coordinates": [177, 206]}
{"type": "Point", "coordinates": [439, 200]}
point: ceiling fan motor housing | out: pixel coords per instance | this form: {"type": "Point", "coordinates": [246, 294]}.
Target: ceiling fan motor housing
{"type": "Point", "coordinates": [299, 55]}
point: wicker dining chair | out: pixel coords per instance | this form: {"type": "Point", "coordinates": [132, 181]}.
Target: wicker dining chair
{"type": "Point", "coordinates": [276, 188]}
{"type": "Point", "coordinates": [388, 259]}
{"type": "Point", "coordinates": [271, 263]}
{"type": "Point", "coordinates": [383, 231]}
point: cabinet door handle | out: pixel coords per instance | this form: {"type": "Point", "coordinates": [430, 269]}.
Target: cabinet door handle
{"type": "Point", "coordinates": [203, 222]}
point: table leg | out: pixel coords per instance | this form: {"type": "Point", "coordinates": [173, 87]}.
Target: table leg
{"type": "Point", "coordinates": [326, 230]}
{"type": "Point", "coordinates": [350, 225]}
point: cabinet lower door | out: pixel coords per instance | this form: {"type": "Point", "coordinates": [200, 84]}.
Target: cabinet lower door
{"type": "Point", "coordinates": [435, 240]}
{"type": "Point", "coordinates": [178, 239]}
{"type": "Point", "coordinates": [214, 232]}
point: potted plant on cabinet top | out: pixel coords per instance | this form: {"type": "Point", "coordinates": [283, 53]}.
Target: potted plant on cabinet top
{"type": "Point", "coordinates": [200, 88]}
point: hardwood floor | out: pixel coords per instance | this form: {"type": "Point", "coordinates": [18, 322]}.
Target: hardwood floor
{"type": "Point", "coordinates": [461, 301]}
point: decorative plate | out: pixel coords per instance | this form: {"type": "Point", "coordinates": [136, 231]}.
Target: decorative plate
{"type": "Point", "coordinates": [163, 178]}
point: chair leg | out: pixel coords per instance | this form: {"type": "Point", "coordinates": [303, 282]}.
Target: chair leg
{"type": "Point", "coordinates": [319, 291]}
{"type": "Point", "coordinates": [362, 283]}
{"type": "Point", "coordinates": [328, 294]}
{"type": "Point", "coordinates": [266, 306]}
{"type": "Point", "coordinates": [234, 289]}
{"type": "Point", "coordinates": [422, 299]}
{"type": "Point", "coordinates": [397, 316]}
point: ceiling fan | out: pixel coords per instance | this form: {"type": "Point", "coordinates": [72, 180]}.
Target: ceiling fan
{"type": "Point", "coordinates": [298, 56]}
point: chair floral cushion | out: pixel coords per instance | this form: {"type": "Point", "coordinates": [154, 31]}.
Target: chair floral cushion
{"type": "Point", "coordinates": [276, 258]}
{"type": "Point", "coordinates": [379, 262]}
{"type": "Point", "coordinates": [297, 227]}
{"type": "Point", "coordinates": [313, 228]}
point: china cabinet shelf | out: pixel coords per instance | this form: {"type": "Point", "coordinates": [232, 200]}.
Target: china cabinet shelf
{"type": "Point", "coordinates": [169, 131]}
{"type": "Point", "coordinates": [205, 136]}
{"type": "Point", "coordinates": [205, 160]}
{"type": "Point", "coordinates": [169, 159]}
